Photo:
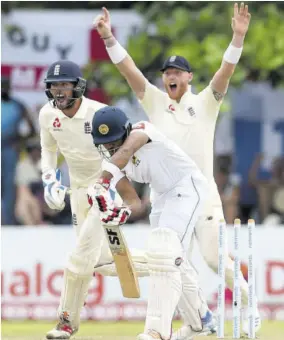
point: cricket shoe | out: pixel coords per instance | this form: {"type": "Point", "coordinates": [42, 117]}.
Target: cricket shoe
{"type": "Point", "coordinates": [245, 323]}
{"type": "Point", "coordinates": [150, 335]}
{"type": "Point", "coordinates": [209, 327]}
{"type": "Point", "coordinates": [63, 329]}
{"type": "Point", "coordinates": [209, 324]}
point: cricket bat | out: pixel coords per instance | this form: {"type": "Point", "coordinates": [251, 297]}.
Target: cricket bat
{"type": "Point", "coordinates": [123, 262]}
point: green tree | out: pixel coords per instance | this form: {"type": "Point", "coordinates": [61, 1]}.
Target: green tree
{"type": "Point", "coordinates": [201, 32]}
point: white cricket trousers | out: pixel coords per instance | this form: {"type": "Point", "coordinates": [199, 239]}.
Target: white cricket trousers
{"type": "Point", "coordinates": [91, 242]}
{"type": "Point", "coordinates": [180, 208]}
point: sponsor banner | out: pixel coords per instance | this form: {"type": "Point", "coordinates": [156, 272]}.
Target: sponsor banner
{"type": "Point", "coordinates": [130, 311]}
{"type": "Point", "coordinates": [25, 77]}
{"type": "Point", "coordinates": [27, 86]}
{"type": "Point", "coordinates": [36, 37]}
{"type": "Point", "coordinates": [33, 260]}
{"type": "Point", "coordinates": [33, 39]}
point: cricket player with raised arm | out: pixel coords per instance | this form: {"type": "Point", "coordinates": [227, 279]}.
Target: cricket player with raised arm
{"type": "Point", "coordinates": [65, 125]}
{"type": "Point", "coordinates": [143, 154]}
{"type": "Point", "coordinates": [189, 120]}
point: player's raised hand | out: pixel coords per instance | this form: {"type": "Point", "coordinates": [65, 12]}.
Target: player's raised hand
{"type": "Point", "coordinates": [241, 19]}
{"type": "Point", "coordinates": [102, 24]}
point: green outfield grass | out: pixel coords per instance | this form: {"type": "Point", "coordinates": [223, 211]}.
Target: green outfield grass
{"type": "Point", "coordinates": [31, 330]}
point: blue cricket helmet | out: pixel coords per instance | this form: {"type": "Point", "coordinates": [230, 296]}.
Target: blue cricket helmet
{"type": "Point", "coordinates": [65, 71]}
{"type": "Point", "coordinates": [110, 124]}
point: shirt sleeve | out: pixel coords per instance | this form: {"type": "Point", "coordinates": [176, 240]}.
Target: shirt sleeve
{"type": "Point", "coordinates": [48, 147]}
{"type": "Point", "coordinates": [146, 128]}
{"type": "Point", "coordinates": [152, 97]}
{"type": "Point", "coordinates": [209, 101]}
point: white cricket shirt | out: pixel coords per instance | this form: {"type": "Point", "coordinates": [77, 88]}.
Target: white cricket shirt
{"type": "Point", "coordinates": [160, 162]}
{"type": "Point", "coordinates": [72, 137]}
{"type": "Point", "coordinates": [189, 123]}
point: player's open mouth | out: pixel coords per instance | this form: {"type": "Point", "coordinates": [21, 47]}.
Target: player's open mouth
{"type": "Point", "coordinates": [60, 98]}
{"type": "Point", "coordinates": [173, 87]}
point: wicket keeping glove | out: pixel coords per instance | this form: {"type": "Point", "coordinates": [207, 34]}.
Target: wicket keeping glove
{"type": "Point", "coordinates": [54, 192]}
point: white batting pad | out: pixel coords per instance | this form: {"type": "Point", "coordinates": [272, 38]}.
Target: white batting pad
{"type": "Point", "coordinates": [73, 295]}
{"type": "Point", "coordinates": [191, 305]}
{"type": "Point", "coordinates": [164, 257]}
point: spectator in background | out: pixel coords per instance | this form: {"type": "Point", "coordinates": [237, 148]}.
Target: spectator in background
{"type": "Point", "coordinates": [270, 191]}
{"type": "Point", "coordinates": [229, 188]}
{"type": "Point", "coordinates": [31, 208]}
{"type": "Point", "coordinates": [13, 114]}
{"type": "Point", "coordinates": [29, 187]}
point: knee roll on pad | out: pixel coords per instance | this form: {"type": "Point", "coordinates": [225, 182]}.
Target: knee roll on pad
{"type": "Point", "coordinates": [164, 253]}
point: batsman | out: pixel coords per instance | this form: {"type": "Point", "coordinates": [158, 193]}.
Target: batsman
{"type": "Point", "coordinates": [189, 120]}
{"type": "Point", "coordinates": [141, 153]}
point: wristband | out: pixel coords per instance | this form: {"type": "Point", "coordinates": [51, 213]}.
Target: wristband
{"type": "Point", "coordinates": [232, 54]}
{"type": "Point", "coordinates": [111, 168]}
{"type": "Point", "coordinates": [116, 53]}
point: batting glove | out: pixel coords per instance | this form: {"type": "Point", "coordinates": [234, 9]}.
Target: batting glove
{"type": "Point", "coordinates": [99, 193]}
{"type": "Point", "coordinates": [116, 216]}
{"type": "Point", "coordinates": [99, 196]}
{"type": "Point", "coordinates": [54, 192]}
